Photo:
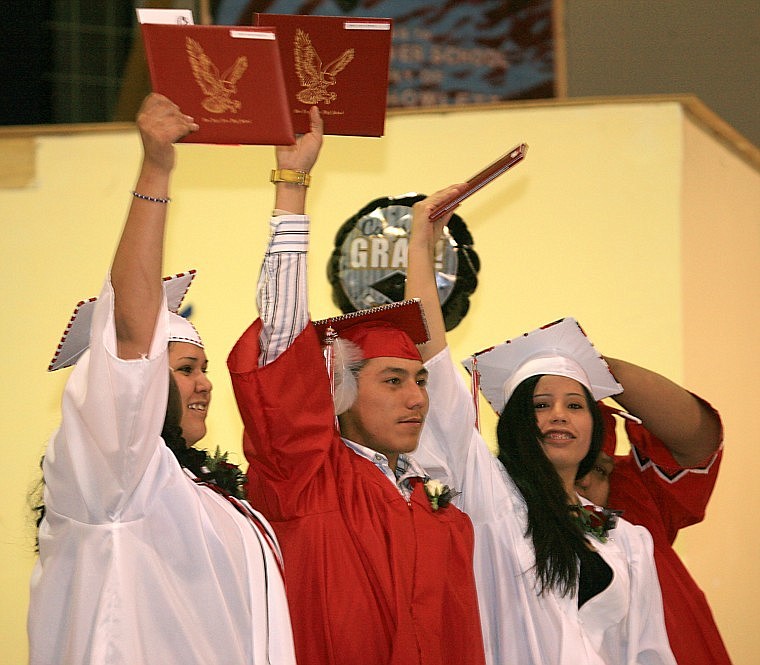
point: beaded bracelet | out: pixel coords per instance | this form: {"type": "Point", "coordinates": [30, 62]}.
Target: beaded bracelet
{"type": "Point", "coordinates": [152, 199]}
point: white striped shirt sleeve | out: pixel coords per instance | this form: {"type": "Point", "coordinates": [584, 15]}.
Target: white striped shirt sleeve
{"type": "Point", "coordinates": [282, 297]}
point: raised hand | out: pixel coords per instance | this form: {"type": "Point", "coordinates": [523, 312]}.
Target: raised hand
{"type": "Point", "coordinates": [161, 125]}
{"type": "Point", "coordinates": [303, 155]}
{"type": "Point", "coordinates": [425, 231]}
{"type": "Point", "coordinates": [420, 272]}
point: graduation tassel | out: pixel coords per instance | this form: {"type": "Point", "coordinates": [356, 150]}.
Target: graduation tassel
{"type": "Point", "coordinates": [329, 341]}
{"type": "Point", "coordinates": [476, 391]}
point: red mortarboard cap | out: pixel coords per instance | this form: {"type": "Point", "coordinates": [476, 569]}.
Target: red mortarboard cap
{"type": "Point", "coordinates": [76, 336]}
{"type": "Point", "coordinates": [386, 331]}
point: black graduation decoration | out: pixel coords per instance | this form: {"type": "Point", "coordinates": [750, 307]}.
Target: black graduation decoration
{"type": "Point", "coordinates": [368, 264]}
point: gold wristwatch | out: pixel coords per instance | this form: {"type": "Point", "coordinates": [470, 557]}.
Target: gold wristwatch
{"type": "Point", "coordinates": [289, 175]}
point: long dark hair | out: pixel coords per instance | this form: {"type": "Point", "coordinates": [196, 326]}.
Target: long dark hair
{"type": "Point", "coordinates": [187, 456]}
{"type": "Point", "coordinates": [212, 469]}
{"type": "Point", "coordinates": [558, 542]}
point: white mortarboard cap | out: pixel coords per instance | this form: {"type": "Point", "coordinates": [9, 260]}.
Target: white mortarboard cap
{"type": "Point", "coordinates": [76, 337]}
{"type": "Point", "coordinates": [560, 348]}
{"type": "Point", "coordinates": [182, 330]}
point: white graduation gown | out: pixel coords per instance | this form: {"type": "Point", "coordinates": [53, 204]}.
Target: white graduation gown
{"type": "Point", "coordinates": [623, 625]}
{"type": "Point", "coordinates": [138, 563]}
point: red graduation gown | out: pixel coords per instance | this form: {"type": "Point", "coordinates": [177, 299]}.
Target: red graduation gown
{"type": "Point", "coordinates": [370, 577]}
{"type": "Point", "coordinates": [664, 500]}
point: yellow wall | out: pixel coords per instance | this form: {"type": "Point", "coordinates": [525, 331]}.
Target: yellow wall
{"type": "Point", "coordinates": [721, 306]}
{"type": "Point", "coordinates": [629, 216]}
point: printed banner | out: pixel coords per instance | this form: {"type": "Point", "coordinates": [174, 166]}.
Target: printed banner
{"type": "Point", "coordinates": [456, 52]}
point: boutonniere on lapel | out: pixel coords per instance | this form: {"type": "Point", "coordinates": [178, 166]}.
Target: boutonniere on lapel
{"type": "Point", "coordinates": [595, 521]}
{"type": "Point", "coordinates": [440, 495]}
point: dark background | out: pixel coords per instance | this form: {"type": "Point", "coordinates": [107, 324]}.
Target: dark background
{"type": "Point", "coordinates": [75, 61]}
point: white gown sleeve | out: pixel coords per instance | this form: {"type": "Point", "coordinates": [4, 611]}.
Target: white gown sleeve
{"type": "Point", "coordinates": [446, 437]}
{"type": "Point", "coordinates": [453, 451]}
{"type": "Point", "coordinates": [112, 415]}
{"type": "Point", "coordinates": [648, 644]}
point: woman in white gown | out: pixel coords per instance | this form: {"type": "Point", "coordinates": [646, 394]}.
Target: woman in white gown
{"type": "Point", "coordinates": [551, 592]}
{"type": "Point", "coordinates": [139, 562]}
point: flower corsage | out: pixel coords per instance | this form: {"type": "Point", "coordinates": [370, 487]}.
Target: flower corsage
{"type": "Point", "coordinates": [224, 474]}
{"type": "Point", "coordinates": [440, 495]}
{"type": "Point", "coordinates": [595, 521]}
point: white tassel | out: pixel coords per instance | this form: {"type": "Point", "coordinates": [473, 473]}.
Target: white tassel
{"type": "Point", "coordinates": [345, 356]}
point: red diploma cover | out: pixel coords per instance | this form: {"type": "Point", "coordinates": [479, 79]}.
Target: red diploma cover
{"type": "Point", "coordinates": [337, 63]}
{"type": "Point", "coordinates": [228, 78]}
{"type": "Point", "coordinates": [481, 179]}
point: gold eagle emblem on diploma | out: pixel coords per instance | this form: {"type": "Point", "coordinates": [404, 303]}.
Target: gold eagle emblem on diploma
{"type": "Point", "coordinates": [314, 77]}
{"type": "Point", "coordinates": [218, 88]}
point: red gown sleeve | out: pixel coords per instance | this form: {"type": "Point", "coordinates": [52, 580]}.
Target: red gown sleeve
{"type": "Point", "coordinates": [655, 491]}
{"type": "Point", "coordinates": [288, 420]}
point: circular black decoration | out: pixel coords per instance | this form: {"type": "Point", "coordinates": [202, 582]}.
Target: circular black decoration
{"type": "Point", "coordinates": [368, 265]}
